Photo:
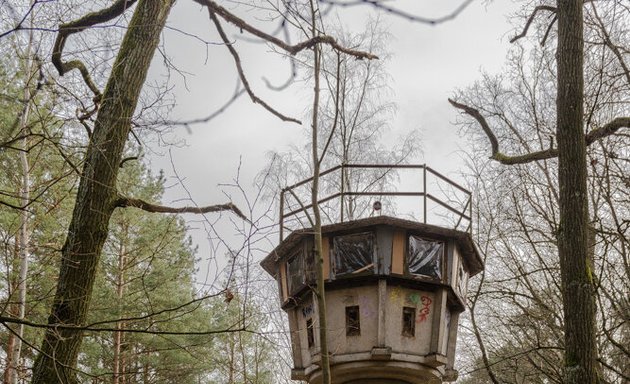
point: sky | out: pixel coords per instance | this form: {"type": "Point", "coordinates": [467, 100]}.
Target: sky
{"type": "Point", "coordinates": [429, 63]}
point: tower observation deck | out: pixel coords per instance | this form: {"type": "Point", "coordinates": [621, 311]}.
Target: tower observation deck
{"type": "Point", "coordinates": [394, 286]}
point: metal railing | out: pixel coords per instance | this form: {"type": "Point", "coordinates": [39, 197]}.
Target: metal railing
{"type": "Point", "coordinates": [465, 213]}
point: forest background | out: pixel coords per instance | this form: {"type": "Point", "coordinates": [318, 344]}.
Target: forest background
{"type": "Point", "coordinates": [222, 143]}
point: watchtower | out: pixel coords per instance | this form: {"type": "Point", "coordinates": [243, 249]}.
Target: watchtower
{"type": "Point", "coordinates": [394, 290]}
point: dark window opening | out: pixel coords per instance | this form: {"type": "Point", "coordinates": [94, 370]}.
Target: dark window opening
{"type": "Point", "coordinates": [353, 322]}
{"type": "Point", "coordinates": [354, 253]}
{"type": "Point", "coordinates": [310, 333]}
{"type": "Point", "coordinates": [295, 272]}
{"type": "Point", "coordinates": [409, 321]}
{"type": "Point", "coordinates": [424, 257]}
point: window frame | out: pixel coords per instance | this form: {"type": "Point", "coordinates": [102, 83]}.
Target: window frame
{"type": "Point", "coordinates": [442, 262]}
{"type": "Point", "coordinates": [353, 326]}
{"type": "Point", "coordinates": [368, 269]}
{"type": "Point", "coordinates": [408, 331]}
{"type": "Point", "coordinates": [297, 253]}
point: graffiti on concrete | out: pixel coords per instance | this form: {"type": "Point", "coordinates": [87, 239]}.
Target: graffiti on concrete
{"type": "Point", "coordinates": [423, 313]}
{"type": "Point", "coordinates": [398, 298]}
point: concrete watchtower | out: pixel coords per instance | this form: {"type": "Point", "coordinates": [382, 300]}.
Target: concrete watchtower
{"type": "Point", "coordinates": [394, 292]}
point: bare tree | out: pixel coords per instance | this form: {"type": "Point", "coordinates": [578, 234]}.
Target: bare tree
{"type": "Point", "coordinates": [112, 110]}
{"type": "Point", "coordinates": [578, 282]}
{"type": "Point", "coordinates": [97, 196]}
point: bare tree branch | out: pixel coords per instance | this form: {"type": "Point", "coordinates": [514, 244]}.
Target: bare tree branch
{"type": "Point", "coordinates": [548, 31]}
{"type": "Point", "coordinates": [12, 320]}
{"type": "Point", "coordinates": [18, 26]}
{"type": "Point", "coordinates": [613, 47]}
{"type": "Point", "coordinates": [241, 74]}
{"type": "Point", "coordinates": [531, 19]}
{"type": "Point", "coordinates": [591, 137]}
{"type": "Point", "coordinates": [124, 202]}
{"type": "Point", "coordinates": [378, 4]}
{"type": "Point", "coordinates": [187, 123]}
{"type": "Point", "coordinates": [482, 121]}
{"type": "Point", "coordinates": [336, 118]}
{"type": "Point", "coordinates": [89, 20]}
{"type": "Point", "coordinates": [292, 49]}
{"type": "Point", "coordinates": [607, 130]}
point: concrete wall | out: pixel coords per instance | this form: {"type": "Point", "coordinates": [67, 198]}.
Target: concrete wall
{"type": "Point", "coordinates": [367, 298]}
{"type": "Point", "coordinates": [381, 343]}
{"type": "Point", "coordinates": [423, 302]}
{"type": "Point", "coordinates": [336, 302]}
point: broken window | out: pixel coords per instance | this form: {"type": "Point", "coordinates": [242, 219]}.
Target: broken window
{"type": "Point", "coordinates": [353, 322]}
{"type": "Point", "coordinates": [310, 334]}
{"type": "Point", "coordinates": [409, 321]}
{"type": "Point", "coordinates": [295, 272]}
{"type": "Point", "coordinates": [354, 253]}
{"type": "Point", "coordinates": [424, 257]}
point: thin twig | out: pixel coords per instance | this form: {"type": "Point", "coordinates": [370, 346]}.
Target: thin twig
{"type": "Point", "coordinates": [406, 15]}
{"type": "Point", "coordinates": [530, 19]}
{"type": "Point", "coordinates": [241, 73]}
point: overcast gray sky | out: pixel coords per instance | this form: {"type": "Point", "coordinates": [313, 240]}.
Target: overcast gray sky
{"type": "Point", "coordinates": [429, 63]}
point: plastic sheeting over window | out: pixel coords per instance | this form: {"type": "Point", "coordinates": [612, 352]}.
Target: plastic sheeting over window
{"type": "Point", "coordinates": [425, 257]}
{"type": "Point", "coordinates": [309, 268]}
{"type": "Point", "coordinates": [354, 253]}
{"type": "Point", "coordinates": [295, 272]}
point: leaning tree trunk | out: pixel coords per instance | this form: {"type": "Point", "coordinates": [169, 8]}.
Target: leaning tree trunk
{"type": "Point", "coordinates": [96, 195]}
{"type": "Point", "coordinates": [577, 275]}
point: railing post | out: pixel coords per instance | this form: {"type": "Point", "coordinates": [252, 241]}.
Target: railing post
{"type": "Point", "coordinates": [281, 215]}
{"type": "Point", "coordinates": [424, 191]}
{"type": "Point", "coordinates": [343, 169]}
{"type": "Point", "coordinates": [470, 198]}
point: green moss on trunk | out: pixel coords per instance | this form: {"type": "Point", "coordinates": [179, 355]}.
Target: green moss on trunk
{"type": "Point", "coordinates": [97, 193]}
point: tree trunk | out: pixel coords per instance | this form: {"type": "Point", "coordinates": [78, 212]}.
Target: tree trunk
{"type": "Point", "coordinates": [14, 350]}
{"type": "Point", "coordinates": [577, 279]}
{"type": "Point", "coordinates": [317, 223]}
{"type": "Point", "coordinates": [23, 255]}
{"type": "Point", "coordinates": [119, 371]}
{"type": "Point", "coordinates": [231, 368]}
{"type": "Point", "coordinates": [9, 359]}
{"type": "Point", "coordinates": [97, 193]}
{"type": "Point", "coordinates": [14, 342]}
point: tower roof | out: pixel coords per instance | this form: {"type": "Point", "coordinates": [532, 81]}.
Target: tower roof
{"type": "Point", "coordinates": [463, 239]}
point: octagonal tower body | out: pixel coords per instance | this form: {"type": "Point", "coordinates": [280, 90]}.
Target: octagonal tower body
{"type": "Point", "coordinates": [394, 292]}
